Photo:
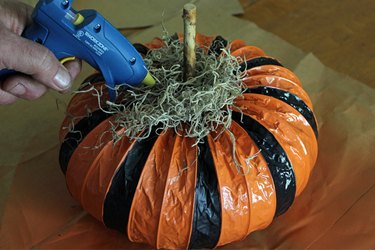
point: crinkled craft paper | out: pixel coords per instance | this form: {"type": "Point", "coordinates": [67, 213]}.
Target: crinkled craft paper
{"type": "Point", "coordinates": [144, 13]}
{"type": "Point", "coordinates": [334, 211]}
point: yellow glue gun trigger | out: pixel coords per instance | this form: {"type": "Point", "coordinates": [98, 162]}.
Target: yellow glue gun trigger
{"type": "Point", "coordinates": [67, 59]}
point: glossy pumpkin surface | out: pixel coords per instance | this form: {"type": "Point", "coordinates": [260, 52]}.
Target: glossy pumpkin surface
{"type": "Point", "coordinates": [170, 194]}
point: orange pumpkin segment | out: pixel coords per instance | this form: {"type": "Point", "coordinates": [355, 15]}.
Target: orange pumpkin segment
{"type": "Point", "coordinates": [236, 44]}
{"type": "Point", "coordinates": [146, 206]}
{"type": "Point", "coordinates": [155, 43]}
{"type": "Point", "coordinates": [178, 202]}
{"type": "Point", "coordinates": [238, 189]}
{"type": "Point", "coordinates": [274, 70]}
{"type": "Point", "coordinates": [246, 53]}
{"type": "Point", "coordinates": [201, 40]}
{"type": "Point", "coordinates": [156, 183]}
{"type": "Point", "coordinates": [259, 180]}
{"type": "Point", "coordinates": [99, 177]}
{"type": "Point", "coordinates": [204, 41]}
{"type": "Point", "coordinates": [83, 158]}
{"type": "Point", "coordinates": [234, 194]}
{"type": "Point", "coordinates": [280, 83]}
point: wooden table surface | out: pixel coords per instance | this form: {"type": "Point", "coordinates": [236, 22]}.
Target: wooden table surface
{"type": "Point", "coordinates": [341, 33]}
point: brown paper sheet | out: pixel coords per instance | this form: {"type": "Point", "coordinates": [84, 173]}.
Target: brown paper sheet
{"type": "Point", "coordinates": [127, 13]}
{"type": "Point", "coordinates": [335, 210]}
{"type": "Point", "coordinates": [152, 12]}
{"type": "Point", "coordinates": [216, 21]}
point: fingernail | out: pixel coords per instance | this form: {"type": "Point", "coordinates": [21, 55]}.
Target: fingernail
{"type": "Point", "coordinates": [18, 90]}
{"type": "Point", "coordinates": [62, 79]}
{"type": "Point", "coordinates": [74, 68]}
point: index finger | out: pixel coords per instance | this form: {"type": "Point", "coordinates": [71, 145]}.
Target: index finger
{"type": "Point", "coordinates": [33, 59]}
{"type": "Point", "coordinates": [15, 16]}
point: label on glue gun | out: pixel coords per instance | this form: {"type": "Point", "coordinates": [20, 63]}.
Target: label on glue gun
{"type": "Point", "coordinates": [88, 39]}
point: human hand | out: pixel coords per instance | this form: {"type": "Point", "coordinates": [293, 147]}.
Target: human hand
{"type": "Point", "coordinates": [41, 69]}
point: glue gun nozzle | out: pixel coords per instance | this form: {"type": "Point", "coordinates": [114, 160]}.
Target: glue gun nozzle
{"type": "Point", "coordinates": [149, 80]}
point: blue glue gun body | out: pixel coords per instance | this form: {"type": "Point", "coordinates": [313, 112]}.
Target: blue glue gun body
{"type": "Point", "coordinates": [89, 36]}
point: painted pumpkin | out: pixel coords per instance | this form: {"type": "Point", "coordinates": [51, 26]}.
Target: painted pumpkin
{"type": "Point", "coordinates": [165, 192]}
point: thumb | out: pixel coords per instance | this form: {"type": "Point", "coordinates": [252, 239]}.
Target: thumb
{"type": "Point", "coordinates": [33, 59]}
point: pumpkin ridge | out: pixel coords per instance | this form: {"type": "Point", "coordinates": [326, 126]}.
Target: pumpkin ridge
{"type": "Point", "coordinates": [280, 83]}
{"type": "Point", "coordinates": [289, 128]}
{"type": "Point", "coordinates": [162, 205]}
{"type": "Point", "coordinates": [235, 221]}
{"type": "Point", "coordinates": [84, 155]}
{"type": "Point", "coordinates": [273, 70]}
{"type": "Point", "coordinates": [143, 223]}
{"type": "Point", "coordinates": [115, 170]}
{"type": "Point", "coordinates": [259, 183]}
{"type": "Point", "coordinates": [247, 52]}
{"type": "Point", "coordinates": [192, 213]}
{"type": "Point", "coordinates": [74, 138]}
{"type": "Point", "coordinates": [118, 200]}
{"type": "Point", "coordinates": [259, 61]}
{"type": "Point", "coordinates": [100, 174]}
{"type": "Point", "coordinates": [207, 210]}
{"type": "Point", "coordinates": [290, 99]}
{"type": "Point", "coordinates": [178, 201]}
{"type": "Point", "coordinates": [281, 169]}
{"type": "Point", "coordinates": [159, 226]}
{"type": "Point", "coordinates": [236, 44]}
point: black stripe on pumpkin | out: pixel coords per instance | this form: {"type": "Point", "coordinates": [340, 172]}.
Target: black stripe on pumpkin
{"type": "Point", "coordinates": [74, 138]}
{"type": "Point", "coordinates": [259, 61]}
{"type": "Point", "coordinates": [217, 45]}
{"type": "Point", "coordinates": [278, 163]}
{"type": "Point", "coordinates": [120, 196]}
{"type": "Point", "coordinates": [141, 48]}
{"type": "Point", "coordinates": [207, 208]}
{"type": "Point", "coordinates": [174, 37]}
{"type": "Point", "coordinates": [291, 99]}
{"type": "Point", "coordinates": [94, 78]}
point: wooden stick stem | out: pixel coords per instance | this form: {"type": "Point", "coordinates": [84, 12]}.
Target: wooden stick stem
{"type": "Point", "coordinates": [190, 18]}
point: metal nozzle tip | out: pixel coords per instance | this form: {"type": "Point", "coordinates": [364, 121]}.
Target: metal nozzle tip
{"type": "Point", "coordinates": [149, 80]}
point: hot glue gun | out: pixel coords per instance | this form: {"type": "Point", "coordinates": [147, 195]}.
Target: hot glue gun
{"type": "Point", "coordinates": [89, 36]}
